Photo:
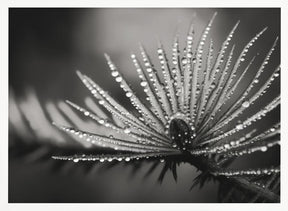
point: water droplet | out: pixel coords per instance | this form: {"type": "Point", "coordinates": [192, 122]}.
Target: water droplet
{"type": "Point", "coordinates": [143, 83]}
{"type": "Point", "coordinates": [101, 121]}
{"type": "Point", "coordinates": [160, 50]}
{"type": "Point", "coordinates": [118, 79]}
{"type": "Point", "coordinates": [127, 130]}
{"type": "Point", "coordinates": [149, 70]}
{"type": "Point", "coordinates": [75, 160]}
{"type": "Point", "coordinates": [239, 127]}
{"type": "Point", "coordinates": [184, 61]}
{"type": "Point", "coordinates": [127, 159]}
{"type": "Point", "coordinates": [246, 104]}
{"type": "Point", "coordinates": [272, 129]}
{"type": "Point", "coordinates": [128, 94]}
{"type": "Point", "coordinates": [264, 149]}
{"type": "Point", "coordinates": [256, 81]}
{"type": "Point", "coordinates": [226, 146]}
{"type": "Point", "coordinates": [114, 73]}
{"type": "Point", "coordinates": [86, 113]}
{"type": "Point", "coordinates": [189, 38]}
{"type": "Point", "coordinates": [101, 102]}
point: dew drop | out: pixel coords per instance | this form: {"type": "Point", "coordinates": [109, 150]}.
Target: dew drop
{"type": "Point", "coordinates": [184, 61]}
{"type": "Point", "coordinates": [86, 113]}
{"type": "Point", "coordinates": [189, 38]}
{"type": "Point", "coordinates": [101, 102]}
{"type": "Point", "coordinates": [239, 127]}
{"type": "Point", "coordinates": [101, 121]}
{"type": "Point", "coordinates": [264, 149]}
{"type": "Point", "coordinates": [127, 130]}
{"type": "Point", "coordinates": [256, 81]}
{"type": "Point", "coordinates": [128, 94]}
{"type": "Point", "coordinates": [75, 160]}
{"type": "Point", "coordinates": [127, 159]}
{"type": "Point", "coordinates": [226, 146]}
{"type": "Point", "coordinates": [149, 70]}
{"type": "Point", "coordinates": [160, 50]}
{"type": "Point", "coordinates": [143, 83]}
{"type": "Point", "coordinates": [118, 79]}
{"type": "Point", "coordinates": [246, 104]}
{"type": "Point", "coordinates": [114, 73]}
{"type": "Point", "coordinates": [272, 129]}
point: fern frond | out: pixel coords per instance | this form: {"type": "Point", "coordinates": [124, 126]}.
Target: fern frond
{"type": "Point", "coordinates": [188, 116]}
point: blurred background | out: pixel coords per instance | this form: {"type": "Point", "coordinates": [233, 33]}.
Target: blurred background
{"type": "Point", "coordinates": [47, 46]}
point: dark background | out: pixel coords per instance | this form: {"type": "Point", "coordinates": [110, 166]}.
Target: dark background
{"type": "Point", "coordinates": [46, 46]}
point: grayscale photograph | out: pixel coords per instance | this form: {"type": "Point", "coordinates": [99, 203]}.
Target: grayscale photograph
{"type": "Point", "coordinates": [144, 105]}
